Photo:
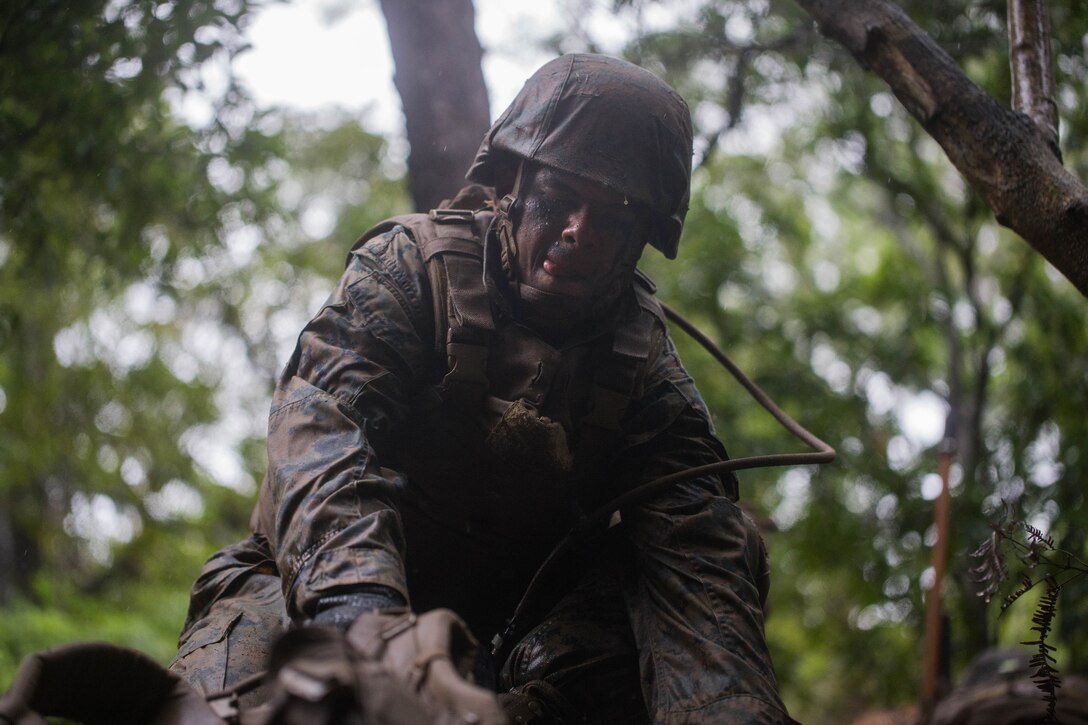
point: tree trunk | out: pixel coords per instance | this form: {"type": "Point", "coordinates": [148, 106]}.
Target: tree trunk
{"type": "Point", "coordinates": [441, 85]}
{"type": "Point", "coordinates": [1002, 154]}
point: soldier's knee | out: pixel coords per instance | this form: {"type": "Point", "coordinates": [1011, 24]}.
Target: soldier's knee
{"type": "Point", "coordinates": [233, 640]}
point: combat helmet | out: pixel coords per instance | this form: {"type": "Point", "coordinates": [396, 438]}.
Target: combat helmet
{"type": "Point", "coordinates": [608, 121]}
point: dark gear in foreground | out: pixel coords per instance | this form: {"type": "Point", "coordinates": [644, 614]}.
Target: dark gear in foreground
{"type": "Point", "coordinates": [374, 674]}
{"type": "Point", "coordinates": [997, 689]}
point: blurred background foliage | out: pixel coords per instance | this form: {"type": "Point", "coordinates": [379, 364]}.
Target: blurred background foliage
{"type": "Point", "coordinates": [163, 240]}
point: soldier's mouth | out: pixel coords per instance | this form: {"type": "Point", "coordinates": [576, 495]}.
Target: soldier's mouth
{"type": "Point", "coordinates": [560, 262]}
{"type": "Point", "coordinates": [558, 269]}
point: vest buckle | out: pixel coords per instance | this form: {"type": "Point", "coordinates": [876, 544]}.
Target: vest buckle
{"type": "Point", "coordinates": [452, 216]}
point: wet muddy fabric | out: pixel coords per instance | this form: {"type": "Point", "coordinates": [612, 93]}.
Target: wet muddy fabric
{"type": "Point", "coordinates": [236, 615]}
{"type": "Point", "coordinates": [375, 480]}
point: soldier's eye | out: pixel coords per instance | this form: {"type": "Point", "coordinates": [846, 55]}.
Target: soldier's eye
{"type": "Point", "coordinates": [560, 202]}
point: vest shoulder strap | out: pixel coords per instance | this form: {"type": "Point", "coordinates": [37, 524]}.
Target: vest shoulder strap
{"type": "Point", "coordinates": [451, 243]}
{"type": "Point", "coordinates": [454, 254]}
{"type": "Point", "coordinates": [621, 375]}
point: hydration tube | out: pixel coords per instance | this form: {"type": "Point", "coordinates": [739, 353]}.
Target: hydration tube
{"type": "Point", "coordinates": [598, 520]}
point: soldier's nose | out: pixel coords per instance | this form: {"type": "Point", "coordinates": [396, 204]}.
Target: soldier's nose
{"type": "Point", "coordinates": [578, 229]}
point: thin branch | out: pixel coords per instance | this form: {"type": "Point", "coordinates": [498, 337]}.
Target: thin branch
{"type": "Point", "coordinates": [735, 88]}
{"type": "Point", "coordinates": [1031, 66]}
{"type": "Point", "coordinates": [734, 105]}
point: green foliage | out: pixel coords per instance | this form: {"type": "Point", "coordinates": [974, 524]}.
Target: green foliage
{"type": "Point", "coordinates": [154, 272]}
{"type": "Point", "coordinates": [844, 264]}
{"type": "Point", "coordinates": [161, 243]}
{"type": "Point", "coordinates": [104, 196]}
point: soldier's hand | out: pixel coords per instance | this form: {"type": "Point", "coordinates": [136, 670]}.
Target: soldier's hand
{"type": "Point", "coordinates": [433, 654]}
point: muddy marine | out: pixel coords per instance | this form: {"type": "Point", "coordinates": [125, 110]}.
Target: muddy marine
{"type": "Point", "coordinates": [480, 378]}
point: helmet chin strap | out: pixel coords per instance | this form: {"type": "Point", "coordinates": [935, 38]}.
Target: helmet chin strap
{"type": "Point", "coordinates": [508, 247]}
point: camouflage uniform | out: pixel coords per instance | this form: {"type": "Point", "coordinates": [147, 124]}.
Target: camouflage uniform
{"type": "Point", "coordinates": [373, 480]}
{"type": "Point", "coordinates": [386, 487]}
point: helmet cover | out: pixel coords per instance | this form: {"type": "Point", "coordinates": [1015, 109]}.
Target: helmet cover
{"type": "Point", "coordinates": [605, 120]}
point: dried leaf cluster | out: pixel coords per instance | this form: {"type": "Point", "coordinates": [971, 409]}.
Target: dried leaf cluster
{"type": "Point", "coordinates": [1036, 552]}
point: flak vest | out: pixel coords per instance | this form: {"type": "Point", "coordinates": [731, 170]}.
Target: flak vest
{"type": "Point", "coordinates": [452, 244]}
{"type": "Point", "coordinates": [490, 480]}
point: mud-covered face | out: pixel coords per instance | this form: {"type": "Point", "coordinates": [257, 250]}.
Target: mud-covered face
{"type": "Point", "coordinates": [576, 238]}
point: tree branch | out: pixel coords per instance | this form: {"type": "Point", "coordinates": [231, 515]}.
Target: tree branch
{"type": "Point", "coordinates": [1031, 66]}
{"type": "Point", "coordinates": [734, 105]}
{"type": "Point", "coordinates": [1000, 152]}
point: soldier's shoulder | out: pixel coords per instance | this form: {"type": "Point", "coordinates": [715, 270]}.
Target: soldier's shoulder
{"type": "Point", "coordinates": [428, 234]}
{"type": "Point", "coordinates": [403, 230]}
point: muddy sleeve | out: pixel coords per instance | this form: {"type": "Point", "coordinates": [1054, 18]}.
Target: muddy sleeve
{"type": "Point", "coordinates": [691, 597]}
{"type": "Point", "coordinates": [329, 505]}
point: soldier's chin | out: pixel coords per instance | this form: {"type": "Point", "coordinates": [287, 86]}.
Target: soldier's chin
{"type": "Point", "coordinates": [578, 287]}
{"type": "Point", "coordinates": [555, 306]}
